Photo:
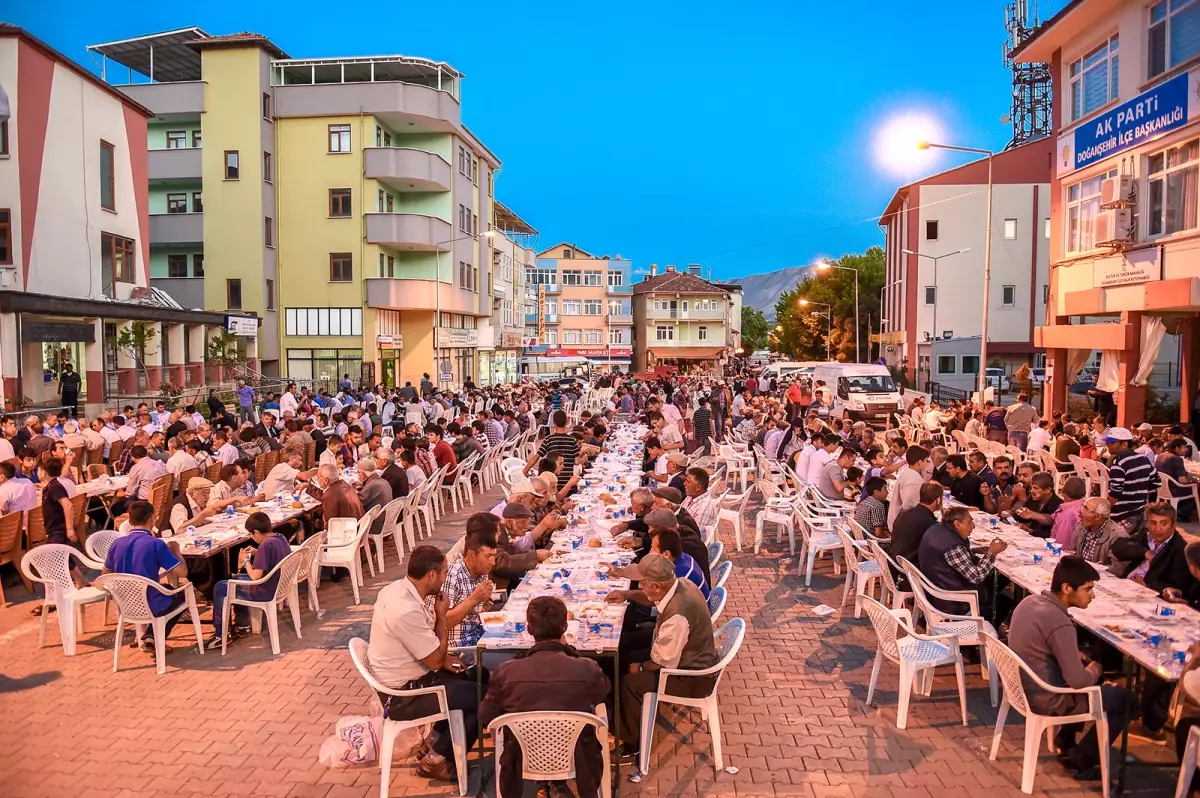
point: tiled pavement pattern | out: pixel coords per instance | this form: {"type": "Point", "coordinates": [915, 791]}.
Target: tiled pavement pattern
{"type": "Point", "coordinates": [249, 723]}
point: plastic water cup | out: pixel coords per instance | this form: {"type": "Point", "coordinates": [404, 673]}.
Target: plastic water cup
{"type": "Point", "coordinates": [1037, 558]}
{"type": "Point", "coordinates": [1154, 640]}
{"type": "Point", "coordinates": [520, 627]}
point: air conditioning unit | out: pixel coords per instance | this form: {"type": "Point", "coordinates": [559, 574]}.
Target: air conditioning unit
{"type": "Point", "coordinates": [1113, 227]}
{"type": "Point", "coordinates": [1116, 192]}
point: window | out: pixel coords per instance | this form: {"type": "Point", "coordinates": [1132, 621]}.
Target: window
{"type": "Point", "coordinates": [324, 364]}
{"type": "Point", "coordinates": [592, 278]}
{"type": "Point", "coordinates": [1045, 294]}
{"type": "Point", "coordinates": [702, 333]}
{"type": "Point", "coordinates": [615, 338]}
{"type": "Point", "coordinates": [593, 307]}
{"type": "Point", "coordinates": [176, 139]}
{"type": "Point", "coordinates": [268, 231]}
{"type": "Point", "coordinates": [1010, 229]}
{"type": "Point", "coordinates": [322, 321]}
{"type": "Point", "coordinates": [467, 275]}
{"type": "Point", "coordinates": [387, 139]}
{"type": "Point", "coordinates": [267, 167]}
{"type": "Point", "coordinates": [116, 255]}
{"type": "Point", "coordinates": [931, 230]}
{"type": "Point", "coordinates": [593, 337]}
{"type": "Point", "coordinates": [379, 204]}
{"type": "Point", "coordinates": [339, 203]}
{"type": "Point", "coordinates": [616, 279]}
{"type": "Point", "coordinates": [970, 364]}
{"type": "Point", "coordinates": [571, 307]}
{"type": "Point", "coordinates": [551, 336]}
{"type": "Point", "coordinates": [475, 171]}
{"type": "Point", "coordinates": [462, 159]}
{"type": "Point", "coordinates": [270, 292]}
{"type": "Point", "coordinates": [930, 295]}
{"type": "Point", "coordinates": [572, 337]}
{"type": "Point", "coordinates": [551, 307]}
{"type": "Point", "coordinates": [197, 202]}
{"type": "Point", "coordinates": [108, 177]}
{"type": "Point", "coordinates": [6, 253]}
{"type": "Point", "coordinates": [1009, 297]}
{"type": "Point", "coordinates": [567, 253]}
{"type": "Point", "coordinates": [1174, 35]}
{"type": "Point", "coordinates": [464, 219]}
{"type": "Point", "coordinates": [177, 266]}
{"type": "Point", "coordinates": [233, 294]}
{"type": "Point", "coordinates": [231, 165]}
{"type": "Point", "coordinates": [1083, 205]}
{"type": "Point", "coordinates": [198, 265]}
{"type": "Point", "coordinates": [1093, 79]}
{"type": "Point", "coordinates": [339, 138]}
{"type": "Point", "coordinates": [196, 138]}
{"type": "Point", "coordinates": [389, 205]}
{"type": "Point", "coordinates": [945, 364]}
{"type": "Point", "coordinates": [4, 137]}
{"type": "Point", "coordinates": [266, 106]}
{"type": "Point", "coordinates": [1047, 231]}
{"type": "Point", "coordinates": [664, 333]}
{"type": "Point", "coordinates": [572, 277]}
{"type": "Point", "coordinates": [614, 307]}
{"type": "Point", "coordinates": [1172, 188]}
{"type": "Point", "coordinates": [177, 203]}
{"type": "Point", "coordinates": [341, 267]}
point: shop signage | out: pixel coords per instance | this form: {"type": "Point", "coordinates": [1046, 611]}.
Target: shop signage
{"type": "Point", "coordinates": [530, 340]}
{"type": "Point", "coordinates": [1152, 113]}
{"type": "Point", "coordinates": [450, 338]}
{"type": "Point", "coordinates": [245, 326]}
{"type": "Point", "coordinates": [60, 332]}
{"type": "Point", "coordinates": [1130, 268]}
{"type": "Point", "coordinates": [390, 341]}
{"type": "Point", "coordinates": [589, 352]}
{"type": "Point", "coordinates": [510, 340]}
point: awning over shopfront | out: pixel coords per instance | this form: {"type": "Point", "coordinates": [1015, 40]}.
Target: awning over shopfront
{"type": "Point", "coordinates": [684, 352]}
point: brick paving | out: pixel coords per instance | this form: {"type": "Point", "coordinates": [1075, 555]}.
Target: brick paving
{"type": "Point", "coordinates": [793, 707]}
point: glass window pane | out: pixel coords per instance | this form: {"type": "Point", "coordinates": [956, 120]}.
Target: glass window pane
{"type": "Point", "coordinates": [322, 321]}
{"type": "Point", "coordinates": [312, 321]}
{"type": "Point", "coordinates": [1184, 30]}
{"type": "Point", "coordinates": [356, 321]}
{"type": "Point", "coordinates": [335, 323]}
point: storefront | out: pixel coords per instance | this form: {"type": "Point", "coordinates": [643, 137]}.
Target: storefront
{"type": "Point", "coordinates": [456, 350]}
{"type": "Point", "coordinates": [389, 353]}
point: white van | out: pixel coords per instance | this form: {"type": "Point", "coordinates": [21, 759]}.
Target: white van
{"type": "Point", "coordinates": [861, 391]}
{"type": "Point", "coordinates": [789, 369]}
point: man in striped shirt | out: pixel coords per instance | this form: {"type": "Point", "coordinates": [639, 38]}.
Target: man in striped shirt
{"type": "Point", "coordinates": [561, 442]}
{"type": "Point", "coordinates": [1132, 481]}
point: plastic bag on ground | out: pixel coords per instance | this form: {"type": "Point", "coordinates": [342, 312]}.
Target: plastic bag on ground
{"type": "Point", "coordinates": [356, 741]}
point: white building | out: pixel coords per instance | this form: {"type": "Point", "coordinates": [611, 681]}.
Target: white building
{"type": "Point", "coordinates": [500, 341]}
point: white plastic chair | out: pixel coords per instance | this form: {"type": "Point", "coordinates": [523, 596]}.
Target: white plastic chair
{"type": "Point", "coordinates": [133, 606]}
{"type": "Point", "coordinates": [98, 544]}
{"type": "Point", "coordinates": [731, 511]}
{"type": "Point", "coordinates": [343, 541]}
{"type": "Point", "coordinates": [459, 485]}
{"type": "Point", "coordinates": [817, 535]}
{"type": "Point", "coordinates": [916, 654]}
{"type": "Point", "coordinates": [309, 569]}
{"type": "Point", "coordinates": [1165, 492]}
{"type": "Point", "coordinates": [728, 640]}
{"type": "Point", "coordinates": [861, 573]}
{"type": "Point", "coordinates": [50, 564]}
{"type": "Point", "coordinates": [779, 511]}
{"type": "Point", "coordinates": [390, 512]}
{"type": "Point", "coordinates": [1014, 673]}
{"type": "Point", "coordinates": [716, 550]}
{"type": "Point", "coordinates": [890, 594]}
{"type": "Point", "coordinates": [1187, 765]}
{"type": "Point", "coordinates": [285, 590]}
{"type": "Point", "coordinates": [716, 603]}
{"type": "Point", "coordinates": [547, 741]}
{"type": "Point", "coordinates": [392, 728]}
{"type": "Point", "coordinates": [456, 551]}
{"type": "Point", "coordinates": [721, 573]}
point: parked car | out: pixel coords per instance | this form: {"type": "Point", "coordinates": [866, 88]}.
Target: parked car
{"type": "Point", "coordinates": [1081, 387]}
{"type": "Point", "coordinates": [1037, 377]}
{"type": "Point", "coordinates": [996, 378]}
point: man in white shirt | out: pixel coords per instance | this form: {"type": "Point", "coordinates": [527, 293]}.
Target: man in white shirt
{"type": "Point", "coordinates": [825, 445]}
{"type": "Point", "coordinates": [16, 495]}
{"type": "Point", "coordinates": [773, 439]}
{"type": "Point", "coordinates": [226, 452]}
{"type": "Point", "coordinates": [1039, 437]}
{"type": "Point", "coordinates": [179, 460]}
{"type": "Point", "coordinates": [408, 461]}
{"type": "Point", "coordinates": [408, 651]}
{"type": "Point", "coordinates": [288, 401]}
{"type": "Point", "coordinates": [909, 479]}
{"type": "Point", "coordinates": [127, 430]}
{"type": "Point", "coordinates": [6, 450]}
{"type": "Point", "coordinates": [668, 434]}
{"type": "Point", "coordinates": [285, 475]}
{"type": "Point", "coordinates": [804, 457]}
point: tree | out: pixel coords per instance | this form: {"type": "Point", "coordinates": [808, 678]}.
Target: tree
{"type": "Point", "coordinates": [801, 329]}
{"type": "Point", "coordinates": [755, 329]}
{"type": "Point", "coordinates": [135, 342]}
{"type": "Point", "coordinates": [223, 349]}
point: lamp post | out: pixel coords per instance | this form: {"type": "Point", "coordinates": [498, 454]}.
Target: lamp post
{"type": "Point", "coordinates": [830, 265]}
{"type": "Point", "coordinates": [828, 325]}
{"type": "Point", "coordinates": [987, 255]}
{"type": "Point", "coordinates": [437, 289]}
{"type": "Point", "coordinates": [935, 259]}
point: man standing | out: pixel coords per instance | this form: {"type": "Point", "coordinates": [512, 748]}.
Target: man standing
{"type": "Point", "coordinates": [1132, 481]}
{"type": "Point", "coordinates": [1020, 418]}
{"type": "Point", "coordinates": [69, 383]}
{"type": "Point", "coordinates": [245, 395]}
{"type": "Point", "coordinates": [426, 386]}
{"type": "Point", "coordinates": [561, 442]}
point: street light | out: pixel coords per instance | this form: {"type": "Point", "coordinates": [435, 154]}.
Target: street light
{"type": "Point", "coordinates": [437, 283]}
{"type": "Point", "coordinates": [831, 265]}
{"type": "Point", "coordinates": [987, 254]}
{"type": "Point", "coordinates": [828, 324]}
{"type": "Point", "coordinates": [935, 259]}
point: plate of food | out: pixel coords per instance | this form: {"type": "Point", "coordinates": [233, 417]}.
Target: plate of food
{"type": "Point", "coordinates": [493, 621]}
{"type": "Point", "coordinates": [1123, 632]}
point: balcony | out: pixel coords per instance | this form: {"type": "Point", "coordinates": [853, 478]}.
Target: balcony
{"type": "Point", "coordinates": [407, 169]}
{"type": "Point", "coordinates": [685, 315]}
{"type": "Point", "coordinates": [394, 293]}
{"type": "Point", "coordinates": [551, 318]}
{"type": "Point", "coordinates": [620, 289]}
{"type": "Point", "coordinates": [409, 231]}
{"type": "Point", "coordinates": [176, 228]}
{"type": "Point", "coordinates": [422, 95]}
{"type": "Point", "coordinates": [182, 163]}
{"type": "Point", "coordinates": [620, 319]}
{"type": "Point", "coordinates": [187, 291]}
{"type": "Point", "coordinates": [552, 288]}
{"type": "Point", "coordinates": [531, 318]}
{"type": "Point", "coordinates": [170, 102]}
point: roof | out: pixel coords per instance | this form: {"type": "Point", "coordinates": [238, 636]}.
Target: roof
{"type": "Point", "coordinates": [7, 30]}
{"type": "Point", "coordinates": [239, 40]}
{"type": "Point", "coordinates": [560, 245]}
{"type": "Point", "coordinates": [1034, 46]}
{"type": "Point", "coordinates": [509, 222]}
{"type": "Point", "coordinates": [173, 60]}
{"type": "Point", "coordinates": [677, 283]}
{"type": "Point", "coordinates": [483, 148]}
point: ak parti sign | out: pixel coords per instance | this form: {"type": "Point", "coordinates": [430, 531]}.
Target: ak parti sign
{"type": "Point", "coordinates": [589, 353]}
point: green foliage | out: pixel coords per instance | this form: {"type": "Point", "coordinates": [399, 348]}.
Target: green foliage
{"type": "Point", "coordinates": [755, 329]}
{"type": "Point", "coordinates": [136, 341]}
{"type": "Point", "coordinates": [801, 332]}
{"type": "Point", "coordinates": [222, 349]}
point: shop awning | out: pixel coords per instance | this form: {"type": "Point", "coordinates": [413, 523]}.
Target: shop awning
{"type": "Point", "coordinates": [684, 352]}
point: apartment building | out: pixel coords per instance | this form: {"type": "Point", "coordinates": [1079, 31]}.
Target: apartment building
{"type": "Point", "coordinates": [935, 232]}
{"type": "Point", "coordinates": [342, 199]}
{"type": "Point", "coordinates": [500, 335]}
{"type": "Point", "coordinates": [680, 320]}
{"type": "Point", "coordinates": [76, 224]}
{"type": "Point", "coordinates": [582, 312]}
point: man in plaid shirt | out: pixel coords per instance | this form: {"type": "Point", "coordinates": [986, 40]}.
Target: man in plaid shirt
{"type": "Point", "coordinates": [468, 588]}
{"type": "Point", "coordinates": [946, 560]}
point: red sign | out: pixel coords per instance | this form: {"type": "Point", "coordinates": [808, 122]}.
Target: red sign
{"type": "Point", "coordinates": [589, 352]}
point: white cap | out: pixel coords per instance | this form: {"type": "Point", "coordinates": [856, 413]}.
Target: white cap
{"type": "Point", "coordinates": [1117, 434]}
{"type": "Point", "coordinates": [524, 486]}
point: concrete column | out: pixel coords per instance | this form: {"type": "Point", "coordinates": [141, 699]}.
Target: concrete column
{"type": "Point", "coordinates": [197, 341]}
{"type": "Point", "coordinates": [93, 366]}
{"type": "Point", "coordinates": [1189, 333]}
{"type": "Point", "coordinates": [1131, 399]}
{"type": "Point", "coordinates": [1054, 394]}
{"type": "Point", "coordinates": [9, 352]}
{"type": "Point", "coordinates": [175, 367]}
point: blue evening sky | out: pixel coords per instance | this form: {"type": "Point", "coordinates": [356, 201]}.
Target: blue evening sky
{"type": "Point", "coordinates": [737, 135]}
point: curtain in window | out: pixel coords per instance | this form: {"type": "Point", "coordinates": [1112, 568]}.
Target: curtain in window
{"type": "Point", "coordinates": [1076, 360]}
{"type": "Point", "coordinates": [1185, 35]}
{"type": "Point", "coordinates": [1108, 379]}
{"type": "Point", "coordinates": [1153, 331]}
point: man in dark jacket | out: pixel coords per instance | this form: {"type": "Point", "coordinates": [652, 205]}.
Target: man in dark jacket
{"type": "Point", "coordinates": [550, 677]}
{"type": "Point", "coordinates": [909, 527]}
{"type": "Point", "coordinates": [946, 560]}
{"type": "Point", "coordinates": [966, 482]}
{"type": "Point", "coordinates": [513, 560]}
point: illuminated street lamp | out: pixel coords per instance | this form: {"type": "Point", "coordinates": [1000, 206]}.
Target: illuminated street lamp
{"type": "Point", "coordinates": [827, 265]}
{"type": "Point", "coordinates": [828, 314]}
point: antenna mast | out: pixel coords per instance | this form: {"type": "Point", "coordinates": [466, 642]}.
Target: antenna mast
{"type": "Point", "coordinates": [1030, 110]}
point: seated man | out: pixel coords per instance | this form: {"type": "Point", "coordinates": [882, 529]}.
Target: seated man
{"type": "Point", "coordinates": [697, 502]}
{"type": "Point", "coordinates": [683, 638]}
{"type": "Point", "coordinates": [550, 677]}
{"type": "Point", "coordinates": [285, 474]}
{"type": "Point", "coordinates": [408, 650]}
{"type": "Point", "coordinates": [1037, 514]}
{"type": "Point", "coordinates": [833, 482]}
{"type": "Point", "coordinates": [669, 514]}
{"type": "Point", "coordinates": [511, 564]}
{"type": "Point", "coordinates": [871, 512]}
{"type": "Point", "coordinates": [469, 588]}
{"type": "Point", "coordinates": [910, 527]}
{"type": "Point", "coordinates": [966, 483]}
{"type": "Point", "coordinates": [946, 560]}
{"type": "Point", "coordinates": [194, 506]}
{"type": "Point", "coordinates": [1094, 535]}
{"type": "Point", "coordinates": [667, 543]}
{"type": "Point", "coordinates": [1044, 636]}
{"type": "Point", "coordinates": [257, 563]}
{"type": "Point", "coordinates": [142, 554]}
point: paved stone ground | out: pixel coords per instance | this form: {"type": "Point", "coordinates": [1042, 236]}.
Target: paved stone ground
{"type": "Point", "coordinates": [249, 723]}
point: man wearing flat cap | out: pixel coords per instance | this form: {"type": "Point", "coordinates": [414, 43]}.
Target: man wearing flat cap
{"type": "Point", "coordinates": [192, 507]}
{"type": "Point", "coordinates": [668, 515]}
{"type": "Point", "coordinates": [513, 558]}
{"type": "Point", "coordinates": [683, 638]}
{"type": "Point", "coordinates": [676, 466]}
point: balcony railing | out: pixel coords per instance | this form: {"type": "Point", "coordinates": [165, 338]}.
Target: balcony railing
{"type": "Point", "coordinates": [620, 318]}
{"type": "Point", "coordinates": [551, 318]}
{"type": "Point", "coordinates": [620, 289]}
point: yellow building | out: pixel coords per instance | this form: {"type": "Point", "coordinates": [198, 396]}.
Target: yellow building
{"type": "Point", "coordinates": [680, 320]}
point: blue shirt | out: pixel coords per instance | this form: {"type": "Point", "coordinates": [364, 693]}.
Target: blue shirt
{"type": "Point", "coordinates": [142, 554]}
{"type": "Point", "coordinates": [686, 568]}
{"type": "Point", "coordinates": [269, 554]}
{"type": "Point", "coordinates": [245, 396]}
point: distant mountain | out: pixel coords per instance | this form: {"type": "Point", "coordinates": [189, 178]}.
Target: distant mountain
{"type": "Point", "coordinates": [762, 291]}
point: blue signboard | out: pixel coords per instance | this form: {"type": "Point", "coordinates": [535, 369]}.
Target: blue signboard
{"type": "Point", "coordinates": [1150, 114]}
